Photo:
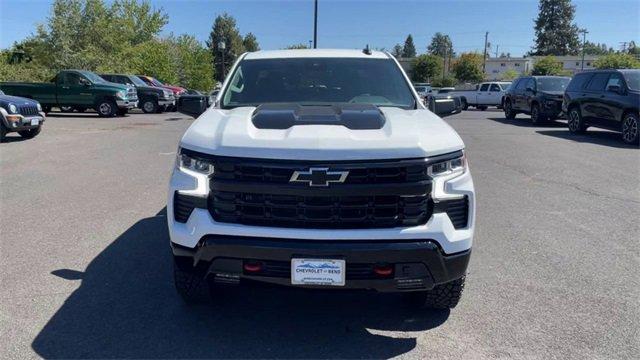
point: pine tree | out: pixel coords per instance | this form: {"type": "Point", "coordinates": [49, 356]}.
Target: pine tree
{"type": "Point", "coordinates": [397, 51]}
{"type": "Point", "coordinates": [556, 34]}
{"type": "Point", "coordinates": [224, 29]}
{"type": "Point", "coordinates": [409, 50]}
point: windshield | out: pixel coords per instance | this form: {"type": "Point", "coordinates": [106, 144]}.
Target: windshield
{"type": "Point", "coordinates": [137, 81]}
{"type": "Point", "coordinates": [421, 89]}
{"type": "Point", "coordinates": [552, 83]}
{"type": "Point", "coordinates": [94, 78]}
{"type": "Point", "coordinates": [318, 81]}
{"type": "Point", "coordinates": [633, 79]}
{"type": "Point", "coordinates": [505, 86]}
{"type": "Point", "coordinates": [155, 82]}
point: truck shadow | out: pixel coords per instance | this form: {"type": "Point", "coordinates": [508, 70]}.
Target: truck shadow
{"type": "Point", "coordinates": [525, 121]}
{"type": "Point", "coordinates": [598, 137]}
{"type": "Point", "coordinates": [126, 307]}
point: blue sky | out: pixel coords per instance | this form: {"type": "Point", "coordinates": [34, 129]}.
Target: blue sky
{"type": "Point", "coordinates": [352, 24]}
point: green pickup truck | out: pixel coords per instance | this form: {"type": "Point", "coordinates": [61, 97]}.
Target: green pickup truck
{"type": "Point", "coordinates": [79, 90]}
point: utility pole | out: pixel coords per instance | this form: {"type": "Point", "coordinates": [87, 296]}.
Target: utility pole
{"type": "Point", "coordinates": [584, 42]}
{"type": "Point", "coordinates": [623, 46]}
{"type": "Point", "coordinates": [315, 25]}
{"type": "Point", "coordinates": [484, 58]}
{"type": "Point", "coordinates": [497, 46]}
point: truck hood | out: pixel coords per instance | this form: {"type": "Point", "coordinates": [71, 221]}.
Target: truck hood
{"type": "Point", "coordinates": [6, 99]}
{"type": "Point", "coordinates": [404, 134]}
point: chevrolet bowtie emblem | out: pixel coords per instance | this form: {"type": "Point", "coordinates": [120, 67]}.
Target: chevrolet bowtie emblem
{"type": "Point", "coordinates": [319, 176]}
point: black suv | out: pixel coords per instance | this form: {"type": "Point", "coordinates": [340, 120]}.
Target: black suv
{"type": "Point", "coordinates": [605, 98]}
{"type": "Point", "coordinates": [151, 99]}
{"type": "Point", "coordinates": [539, 96]}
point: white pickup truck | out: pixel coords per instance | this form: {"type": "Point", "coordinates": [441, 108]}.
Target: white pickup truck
{"type": "Point", "coordinates": [486, 94]}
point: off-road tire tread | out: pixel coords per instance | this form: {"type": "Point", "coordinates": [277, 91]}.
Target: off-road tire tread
{"type": "Point", "coordinates": [444, 296]}
{"type": "Point", "coordinates": [192, 286]}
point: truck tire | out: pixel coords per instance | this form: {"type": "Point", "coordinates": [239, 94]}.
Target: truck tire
{"type": "Point", "coordinates": [630, 130]}
{"type": "Point", "coordinates": [575, 123]}
{"type": "Point", "coordinates": [106, 108]}
{"type": "Point", "coordinates": [191, 284]}
{"type": "Point", "coordinates": [150, 106]}
{"type": "Point", "coordinates": [509, 113]}
{"type": "Point", "coordinates": [536, 117]}
{"type": "Point", "coordinates": [46, 109]}
{"type": "Point", "coordinates": [31, 133]}
{"type": "Point", "coordinates": [465, 106]}
{"type": "Point", "coordinates": [443, 296]}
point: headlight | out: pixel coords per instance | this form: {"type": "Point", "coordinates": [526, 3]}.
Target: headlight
{"type": "Point", "coordinates": [199, 165]}
{"type": "Point", "coordinates": [13, 109]}
{"type": "Point", "coordinates": [122, 94]}
{"type": "Point", "coordinates": [39, 106]}
{"type": "Point", "coordinates": [166, 94]}
{"type": "Point", "coordinates": [444, 171]}
{"type": "Point", "coordinates": [449, 168]}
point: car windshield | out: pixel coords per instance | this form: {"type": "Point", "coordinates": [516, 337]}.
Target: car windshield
{"type": "Point", "coordinates": [156, 82]}
{"type": "Point", "coordinates": [137, 81]}
{"type": "Point", "coordinates": [318, 81]}
{"type": "Point", "coordinates": [553, 83]}
{"type": "Point", "coordinates": [421, 89]}
{"type": "Point", "coordinates": [505, 86]}
{"type": "Point", "coordinates": [93, 77]}
{"type": "Point", "coordinates": [633, 79]}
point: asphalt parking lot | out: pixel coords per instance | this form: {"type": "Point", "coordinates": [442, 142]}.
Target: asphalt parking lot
{"type": "Point", "coordinates": [86, 267]}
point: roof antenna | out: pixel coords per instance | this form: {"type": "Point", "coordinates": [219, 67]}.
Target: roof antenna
{"type": "Point", "coordinates": [366, 50]}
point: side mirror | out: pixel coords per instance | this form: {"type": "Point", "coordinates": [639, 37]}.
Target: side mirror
{"type": "Point", "coordinates": [444, 105]}
{"type": "Point", "coordinates": [614, 89]}
{"type": "Point", "coordinates": [529, 88]}
{"type": "Point", "coordinates": [192, 105]}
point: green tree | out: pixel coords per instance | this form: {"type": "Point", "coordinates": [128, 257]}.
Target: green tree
{"type": "Point", "coordinates": [468, 67]}
{"type": "Point", "coordinates": [617, 61]}
{"type": "Point", "coordinates": [154, 58]}
{"type": "Point", "coordinates": [633, 49]}
{"type": "Point", "coordinates": [556, 34]}
{"type": "Point", "coordinates": [409, 49]}
{"type": "Point", "coordinates": [224, 29]}
{"type": "Point", "coordinates": [250, 43]}
{"type": "Point", "coordinates": [510, 74]}
{"type": "Point", "coordinates": [193, 63]}
{"type": "Point", "coordinates": [447, 81]}
{"type": "Point", "coordinates": [595, 48]}
{"type": "Point", "coordinates": [441, 45]}
{"type": "Point", "coordinates": [397, 51]}
{"type": "Point", "coordinates": [548, 65]}
{"type": "Point", "coordinates": [425, 67]}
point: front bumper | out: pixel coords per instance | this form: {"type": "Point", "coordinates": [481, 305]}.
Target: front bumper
{"type": "Point", "coordinates": [127, 104]}
{"type": "Point", "coordinates": [416, 265]}
{"type": "Point", "coordinates": [17, 122]}
{"type": "Point", "coordinates": [552, 108]}
{"type": "Point", "coordinates": [166, 102]}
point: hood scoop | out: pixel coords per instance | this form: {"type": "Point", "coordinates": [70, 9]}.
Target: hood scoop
{"type": "Point", "coordinates": [351, 116]}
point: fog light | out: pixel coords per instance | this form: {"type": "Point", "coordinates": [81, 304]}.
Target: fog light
{"type": "Point", "coordinates": [253, 266]}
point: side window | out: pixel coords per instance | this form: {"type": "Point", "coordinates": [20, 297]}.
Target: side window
{"type": "Point", "coordinates": [598, 82]}
{"type": "Point", "coordinates": [615, 80]}
{"type": "Point", "coordinates": [71, 79]}
{"type": "Point", "coordinates": [521, 84]}
{"type": "Point", "coordinates": [578, 82]}
{"type": "Point", "coordinates": [124, 80]}
{"type": "Point", "coordinates": [484, 87]}
{"type": "Point", "coordinates": [495, 87]}
{"type": "Point", "coordinates": [531, 84]}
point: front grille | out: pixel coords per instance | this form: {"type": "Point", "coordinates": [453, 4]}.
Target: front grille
{"type": "Point", "coordinates": [28, 110]}
{"type": "Point", "coordinates": [282, 269]}
{"type": "Point", "coordinates": [336, 212]}
{"type": "Point", "coordinates": [359, 173]}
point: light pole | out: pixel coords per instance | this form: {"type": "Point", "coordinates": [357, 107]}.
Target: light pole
{"type": "Point", "coordinates": [584, 42]}
{"type": "Point", "coordinates": [315, 25]}
{"type": "Point", "coordinates": [222, 46]}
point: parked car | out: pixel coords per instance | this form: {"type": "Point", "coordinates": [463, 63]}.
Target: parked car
{"type": "Point", "coordinates": [21, 115]}
{"type": "Point", "coordinates": [77, 89]}
{"type": "Point", "coordinates": [151, 99]}
{"type": "Point", "coordinates": [151, 81]}
{"type": "Point", "coordinates": [606, 99]}
{"type": "Point", "coordinates": [486, 94]}
{"type": "Point", "coordinates": [321, 169]}
{"type": "Point", "coordinates": [539, 96]}
{"type": "Point", "coordinates": [444, 90]}
{"type": "Point", "coordinates": [422, 89]}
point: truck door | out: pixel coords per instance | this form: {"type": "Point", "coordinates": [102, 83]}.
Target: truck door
{"type": "Point", "coordinates": [481, 94]}
{"type": "Point", "coordinates": [613, 101]}
{"type": "Point", "coordinates": [74, 89]}
{"type": "Point", "coordinates": [492, 96]}
{"type": "Point", "coordinates": [593, 104]}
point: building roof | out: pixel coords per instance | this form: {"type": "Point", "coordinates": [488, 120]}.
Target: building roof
{"type": "Point", "coordinates": [315, 53]}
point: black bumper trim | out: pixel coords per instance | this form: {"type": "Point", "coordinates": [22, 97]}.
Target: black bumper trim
{"type": "Point", "coordinates": [225, 255]}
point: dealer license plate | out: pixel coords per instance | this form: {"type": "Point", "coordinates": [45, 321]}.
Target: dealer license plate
{"type": "Point", "coordinates": [35, 121]}
{"type": "Point", "coordinates": [330, 272]}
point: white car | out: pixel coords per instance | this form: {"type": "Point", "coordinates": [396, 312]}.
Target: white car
{"type": "Point", "coordinates": [321, 169]}
{"type": "Point", "coordinates": [485, 94]}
